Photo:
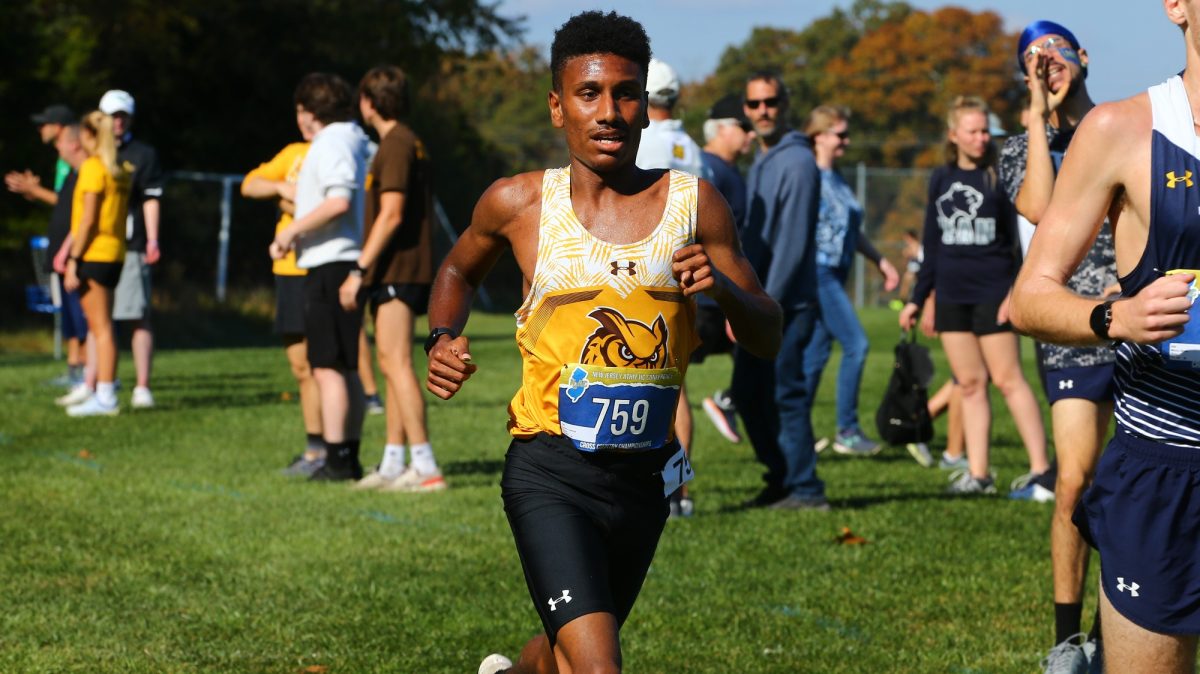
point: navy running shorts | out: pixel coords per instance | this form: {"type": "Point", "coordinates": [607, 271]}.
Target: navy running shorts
{"type": "Point", "coordinates": [979, 318]}
{"type": "Point", "coordinates": [1094, 383]}
{"type": "Point", "coordinates": [1142, 513]}
{"type": "Point", "coordinates": [74, 325]}
{"type": "Point", "coordinates": [330, 330]}
{"type": "Point", "coordinates": [586, 525]}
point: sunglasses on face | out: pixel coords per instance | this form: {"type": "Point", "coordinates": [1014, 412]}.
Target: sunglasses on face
{"type": "Point", "coordinates": [842, 135]}
{"type": "Point", "coordinates": [1057, 44]}
{"type": "Point", "coordinates": [753, 103]}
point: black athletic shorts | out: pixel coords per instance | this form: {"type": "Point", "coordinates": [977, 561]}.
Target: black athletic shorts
{"type": "Point", "coordinates": [586, 524]}
{"type": "Point", "coordinates": [415, 295]}
{"type": "Point", "coordinates": [289, 305]}
{"type": "Point", "coordinates": [976, 318]}
{"type": "Point", "coordinates": [106, 274]}
{"type": "Point", "coordinates": [1094, 383]}
{"type": "Point", "coordinates": [331, 332]}
{"type": "Point", "coordinates": [710, 325]}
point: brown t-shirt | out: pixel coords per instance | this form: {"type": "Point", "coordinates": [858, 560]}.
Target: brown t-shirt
{"type": "Point", "coordinates": [402, 165]}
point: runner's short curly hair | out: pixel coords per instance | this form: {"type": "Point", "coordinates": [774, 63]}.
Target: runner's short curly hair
{"type": "Point", "coordinates": [598, 33]}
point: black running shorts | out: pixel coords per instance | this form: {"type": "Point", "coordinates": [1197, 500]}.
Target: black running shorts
{"type": "Point", "coordinates": [331, 331]}
{"type": "Point", "coordinates": [289, 305]}
{"type": "Point", "coordinates": [979, 319]}
{"type": "Point", "coordinates": [415, 295]}
{"type": "Point", "coordinates": [586, 525]}
{"type": "Point", "coordinates": [105, 273]}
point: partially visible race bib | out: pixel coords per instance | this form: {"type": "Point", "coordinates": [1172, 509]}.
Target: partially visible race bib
{"type": "Point", "coordinates": [1183, 352]}
{"type": "Point", "coordinates": [677, 472]}
{"type": "Point", "coordinates": [617, 408]}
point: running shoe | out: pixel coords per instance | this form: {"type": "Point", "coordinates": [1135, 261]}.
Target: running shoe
{"type": "Point", "coordinates": [374, 404]}
{"type": "Point", "coordinates": [1094, 650]}
{"type": "Point", "coordinates": [1027, 488]}
{"type": "Point", "coordinates": [961, 482]}
{"type": "Point", "coordinates": [821, 445]}
{"type": "Point", "coordinates": [495, 664]}
{"type": "Point", "coordinates": [1067, 657]}
{"type": "Point", "coordinates": [793, 502]}
{"type": "Point", "coordinates": [948, 462]}
{"type": "Point", "coordinates": [302, 467]}
{"type": "Point", "coordinates": [919, 451]}
{"type": "Point", "coordinates": [66, 380]}
{"type": "Point", "coordinates": [413, 482]}
{"type": "Point", "coordinates": [723, 415]}
{"type": "Point", "coordinates": [92, 407]}
{"type": "Point", "coordinates": [331, 473]}
{"type": "Point", "coordinates": [142, 398]}
{"type": "Point", "coordinates": [75, 396]}
{"type": "Point", "coordinates": [374, 480]}
{"type": "Point", "coordinates": [852, 442]}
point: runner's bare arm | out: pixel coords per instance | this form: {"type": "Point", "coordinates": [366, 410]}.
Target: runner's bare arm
{"type": "Point", "coordinates": [715, 266]}
{"type": "Point", "coordinates": [497, 216]}
{"type": "Point", "coordinates": [1091, 177]}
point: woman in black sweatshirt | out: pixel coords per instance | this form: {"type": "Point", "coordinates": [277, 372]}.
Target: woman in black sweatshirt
{"type": "Point", "coordinates": [969, 267]}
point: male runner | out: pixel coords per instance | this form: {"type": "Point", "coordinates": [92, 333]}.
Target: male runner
{"type": "Point", "coordinates": [1077, 380]}
{"type": "Point", "coordinates": [605, 333]}
{"type": "Point", "coordinates": [1136, 161]}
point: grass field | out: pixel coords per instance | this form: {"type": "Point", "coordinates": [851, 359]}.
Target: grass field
{"type": "Point", "coordinates": [165, 541]}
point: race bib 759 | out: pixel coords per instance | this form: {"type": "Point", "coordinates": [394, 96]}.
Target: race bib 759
{"type": "Point", "coordinates": [617, 408]}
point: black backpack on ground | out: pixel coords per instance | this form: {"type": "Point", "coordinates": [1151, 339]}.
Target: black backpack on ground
{"type": "Point", "coordinates": [903, 415]}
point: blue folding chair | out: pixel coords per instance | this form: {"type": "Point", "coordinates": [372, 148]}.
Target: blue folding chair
{"type": "Point", "coordinates": [43, 297]}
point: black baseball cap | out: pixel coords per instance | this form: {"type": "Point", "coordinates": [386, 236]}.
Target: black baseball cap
{"type": "Point", "coordinates": [55, 114]}
{"type": "Point", "coordinates": [730, 107]}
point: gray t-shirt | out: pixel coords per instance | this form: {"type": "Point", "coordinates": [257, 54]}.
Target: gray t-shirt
{"type": "Point", "coordinates": [1097, 271]}
{"type": "Point", "coordinates": [335, 166]}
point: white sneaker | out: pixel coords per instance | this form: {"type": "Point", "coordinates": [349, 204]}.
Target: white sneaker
{"type": "Point", "coordinates": [374, 480]}
{"type": "Point", "coordinates": [494, 664]}
{"type": "Point", "coordinates": [92, 407]}
{"type": "Point", "coordinates": [919, 451]}
{"type": "Point", "coordinates": [142, 398]}
{"type": "Point", "coordinates": [412, 481]}
{"type": "Point", "coordinates": [77, 395]}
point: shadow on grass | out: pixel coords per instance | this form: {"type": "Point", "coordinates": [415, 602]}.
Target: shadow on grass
{"type": "Point", "coordinates": [218, 400]}
{"type": "Point", "coordinates": [476, 467]}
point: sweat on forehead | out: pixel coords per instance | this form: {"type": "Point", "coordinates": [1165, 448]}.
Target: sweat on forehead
{"type": "Point", "coordinates": [595, 32]}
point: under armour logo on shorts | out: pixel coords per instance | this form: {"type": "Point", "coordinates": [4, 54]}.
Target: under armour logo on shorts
{"type": "Point", "coordinates": [1066, 384]}
{"type": "Point", "coordinates": [1132, 587]}
{"type": "Point", "coordinates": [566, 597]}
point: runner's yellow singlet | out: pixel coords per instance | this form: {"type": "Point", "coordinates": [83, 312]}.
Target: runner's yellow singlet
{"type": "Point", "coordinates": [605, 333]}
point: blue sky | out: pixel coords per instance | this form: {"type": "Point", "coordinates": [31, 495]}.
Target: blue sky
{"type": "Point", "coordinates": [1131, 43]}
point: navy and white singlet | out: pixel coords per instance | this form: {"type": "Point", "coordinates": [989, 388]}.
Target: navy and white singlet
{"type": "Point", "coordinates": [1158, 386]}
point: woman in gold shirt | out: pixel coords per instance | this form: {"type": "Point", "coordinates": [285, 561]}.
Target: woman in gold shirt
{"type": "Point", "coordinates": [98, 212]}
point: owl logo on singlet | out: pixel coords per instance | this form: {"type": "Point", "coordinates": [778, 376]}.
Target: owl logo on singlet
{"type": "Point", "coordinates": [624, 342]}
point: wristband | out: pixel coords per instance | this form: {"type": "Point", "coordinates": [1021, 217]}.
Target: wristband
{"type": "Point", "coordinates": [434, 335]}
{"type": "Point", "coordinates": [1101, 320]}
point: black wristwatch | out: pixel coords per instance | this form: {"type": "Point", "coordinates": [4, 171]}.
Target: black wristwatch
{"type": "Point", "coordinates": [434, 334]}
{"type": "Point", "coordinates": [1101, 320]}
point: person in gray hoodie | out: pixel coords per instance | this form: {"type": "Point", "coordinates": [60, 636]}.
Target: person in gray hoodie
{"type": "Point", "coordinates": [783, 195]}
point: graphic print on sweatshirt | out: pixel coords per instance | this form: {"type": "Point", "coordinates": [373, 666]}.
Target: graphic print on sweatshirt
{"type": "Point", "coordinates": [957, 209]}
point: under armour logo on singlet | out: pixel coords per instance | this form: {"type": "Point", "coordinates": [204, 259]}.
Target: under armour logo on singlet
{"type": "Point", "coordinates": [566, 597]}
{"type": "Point", "coordinates": [1172, 180]}
{"type": "Point", "coordinates": [1132, 587]}
{"type": "Point", "coordinates": [623, 265]}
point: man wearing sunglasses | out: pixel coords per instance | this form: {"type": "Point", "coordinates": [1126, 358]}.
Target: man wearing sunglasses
{"type": "Point", "coordinates": [1078, 380]}
{"type": "Point", "coordinates": [775, 401]}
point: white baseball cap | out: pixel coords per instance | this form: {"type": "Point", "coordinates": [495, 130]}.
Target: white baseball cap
{"type": "Point", "coordinates": [662, 83]}
{"type": "Point", "coordinates": [116, 100]}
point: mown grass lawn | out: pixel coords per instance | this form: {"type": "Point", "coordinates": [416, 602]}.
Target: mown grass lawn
{"type": "Point", "coordinates": [166, 541]}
